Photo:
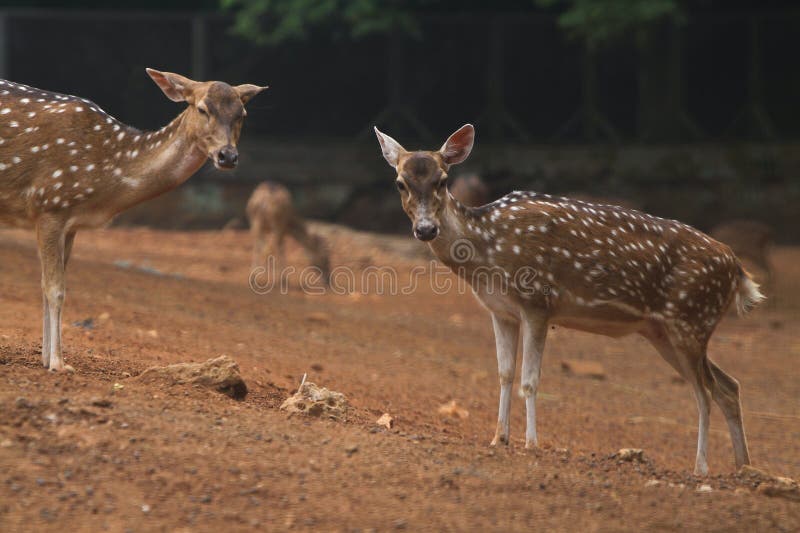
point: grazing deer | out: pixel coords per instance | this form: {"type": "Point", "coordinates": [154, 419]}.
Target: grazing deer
{"type": "Point", "coordinates": [272, 217]}
{"type": "Point", "coordinates": [596, 268]}
{"type": "Point", "coordinates": [749, 239]}
{"type": "Point", "coordinates": [470, 190]}
{"type": "Point", "coordinates": [66, 165]}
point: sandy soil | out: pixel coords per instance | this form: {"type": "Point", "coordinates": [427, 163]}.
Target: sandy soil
{"type": "Point", "coordinates": [98, 451]}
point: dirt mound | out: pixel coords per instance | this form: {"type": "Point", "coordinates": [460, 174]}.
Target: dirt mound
{"type": "Point", "coordinates": [220, 374]}
{"type": "Point", "coordinates": [769, 485]}
{"type": "Point", "coordinates": [316, 401]}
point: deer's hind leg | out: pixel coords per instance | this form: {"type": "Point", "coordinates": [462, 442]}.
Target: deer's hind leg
{"type": "Point", "coordinates": [725, 392]}
{"type": "Point", "coordinates": [689, 359]}
{"type": "Point", "coordinates": [259, 243]}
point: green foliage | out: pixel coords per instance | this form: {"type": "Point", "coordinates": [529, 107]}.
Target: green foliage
{"type": "Point", "coordinates": [269, 22]}
{"type": "Point", "coordinates": [601, 21]}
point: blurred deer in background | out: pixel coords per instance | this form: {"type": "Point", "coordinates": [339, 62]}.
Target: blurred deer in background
{"type": "Point", "coordinates": [470, 190]}
{"type": "Point", "coordinates": [66, 165]}
{"type": "Point", "coordinates": [750, 240]}
{"type": "Point", "coordinates": [272, 217]}
{"type": "Point", "coordinates": [597, 268]}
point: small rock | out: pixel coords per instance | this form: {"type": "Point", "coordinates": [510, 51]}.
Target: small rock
{"type": "Point", "coordinates": [652, 483]}
{"type": "Point", "coordinates": [316, 401]}
{"type": "Point", "coordinates": [22, 403]}
{"type": "Point", "coordinates": [118, 386]}
{"type": "Point", "coordinates": [630, 454]}
{"type": "Point", "coordinates": [781, 487]}
{"type": "Point", "coordinates": [453, 410]}
{"type": "Point", "coordinates": [583, 369]}
{"type": "Point", "coordinates": [318, 317]}
{"type": "Point", "coordinates": [221, 374]}
{"type": "Point", "coordinates": [103, 317]}
{"type": "Point", "coordinates": [101, 402]}
{"type": "Point", "coordinates": [6, 443]}
{"type": "Point", "coordinates": [386, 420]}
{"type": "Point", "coordinates": [457, 319]}
{"type": "Point", "coordinates": [351, 449]}
{"type": "Point", "coordinates": [704, 488]}
{"type": "Point", "coordinates": [152, 333]}
{"type": "Point", "coordinates": [316, 367]}
{"type": "Point", "coordinates": [145, 508]}
{"type": "Point", "coordinates": [87, 323]}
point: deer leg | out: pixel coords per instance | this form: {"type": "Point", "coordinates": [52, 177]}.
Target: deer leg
{"type": "Point", "coordinates": [52, 245]}
{"type": "Point", "coordinates": [725, 392]}
{"type": "Point", "coordinates": [259, 244]}
{"type": "Point", "coordinates": [506, 334]}
{"type": "Point", "coordinates": [534, 332]}
{"type": "Point", "coordinates": [704, 408]}
{"type": "Point", "coordinates": [689, 363]}
{"type": "Point", "coordinates": [45, 331]}
{"type": "Point", "coordinates": [70, 238]}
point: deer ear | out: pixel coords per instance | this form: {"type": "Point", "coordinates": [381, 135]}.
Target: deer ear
{"type": "Point", "coordinates": [458, 146]}
{"type": "Point", "coordinates": [177, 88]}
{"type": "Point", "coordinates": [248, 91]}
{"type": "Point", "coordinates": [391, 148]}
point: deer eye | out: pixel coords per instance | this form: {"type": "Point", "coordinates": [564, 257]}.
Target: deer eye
{"type": "Point", "coordinates": [400, 185]}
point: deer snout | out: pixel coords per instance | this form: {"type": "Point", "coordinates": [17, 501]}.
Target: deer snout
{"type": "Point", "coordinates": [426, 231]}
{"type": "Point", "coordinates": [227, 157]}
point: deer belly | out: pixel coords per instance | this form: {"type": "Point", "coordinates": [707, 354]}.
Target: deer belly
{"type": "Point", "coordinates": [605, 319]}
{"type": "Point", "coordinates": [498, 303]}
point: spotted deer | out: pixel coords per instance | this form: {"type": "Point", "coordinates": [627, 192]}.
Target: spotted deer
{"type": "Point", "coordinates": [66, 165]}
{"type": "Point", "coordinates": [597, 268]}
{"type": "Point", "coordinates": [272, 217]}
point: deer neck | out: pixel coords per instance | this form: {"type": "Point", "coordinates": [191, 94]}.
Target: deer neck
{"type": "Point", "coordinates": [158, 161]}
{"type": "Point", "coordinates": [453, 235]}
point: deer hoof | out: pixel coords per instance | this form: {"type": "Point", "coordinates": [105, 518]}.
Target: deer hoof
{"type": "Point", "coordinates": [499, 439]}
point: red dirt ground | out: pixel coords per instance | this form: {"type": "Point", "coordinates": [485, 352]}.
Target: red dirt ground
{"type": "Point", "coordinates": [183, 458]}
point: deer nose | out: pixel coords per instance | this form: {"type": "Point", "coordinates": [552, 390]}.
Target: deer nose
{"type": "Point", "coordinates": [426, 231]}
{"type": "Point", "coordinates": [227, 157]}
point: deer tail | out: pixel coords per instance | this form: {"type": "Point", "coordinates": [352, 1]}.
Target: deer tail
{"type": "Point", "coordinates": [748, 295]}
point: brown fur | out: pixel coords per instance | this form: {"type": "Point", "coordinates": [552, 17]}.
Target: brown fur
{"type": "Point", "coordinates": [272, 217]}
{"type": "Point", "coordinates": [66, 165]}
{"type": "Point", "coordinates": [594, 267]}
{"type": "Point", "coordinates": [470, 190]}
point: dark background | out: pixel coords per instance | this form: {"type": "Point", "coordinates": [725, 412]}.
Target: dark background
{"type": "Point", "coordinates": [714, 139]}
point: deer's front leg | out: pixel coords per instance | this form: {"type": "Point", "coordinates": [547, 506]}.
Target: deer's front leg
{"type": "Point", "coordinates": [534, 332]}
{"type": "Point", "coordinates": [45, 329]}
{"type": "Point", "coordinates": [506, 333]}
{"type": "Point", "coordinates": [52, 246]}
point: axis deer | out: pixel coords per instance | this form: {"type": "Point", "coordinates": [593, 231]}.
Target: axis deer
{"type": "Point", "coordinates": [66, 165]}
{"type": "Point", "coordinates": [470, 190]}
{"type": "Point", "coordinates": [272, 217]}
{"type": "Point", "coordinates": [596, 268]}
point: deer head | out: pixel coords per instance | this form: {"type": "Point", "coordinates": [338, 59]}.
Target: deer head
{"type": "Point", "coordinates": [215, 115]}
{"type": "Point", "coordinates": [422, 177]}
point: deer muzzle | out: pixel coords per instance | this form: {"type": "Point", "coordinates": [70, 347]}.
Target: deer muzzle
{"type": "Point", "coordinates": [227, 157]}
